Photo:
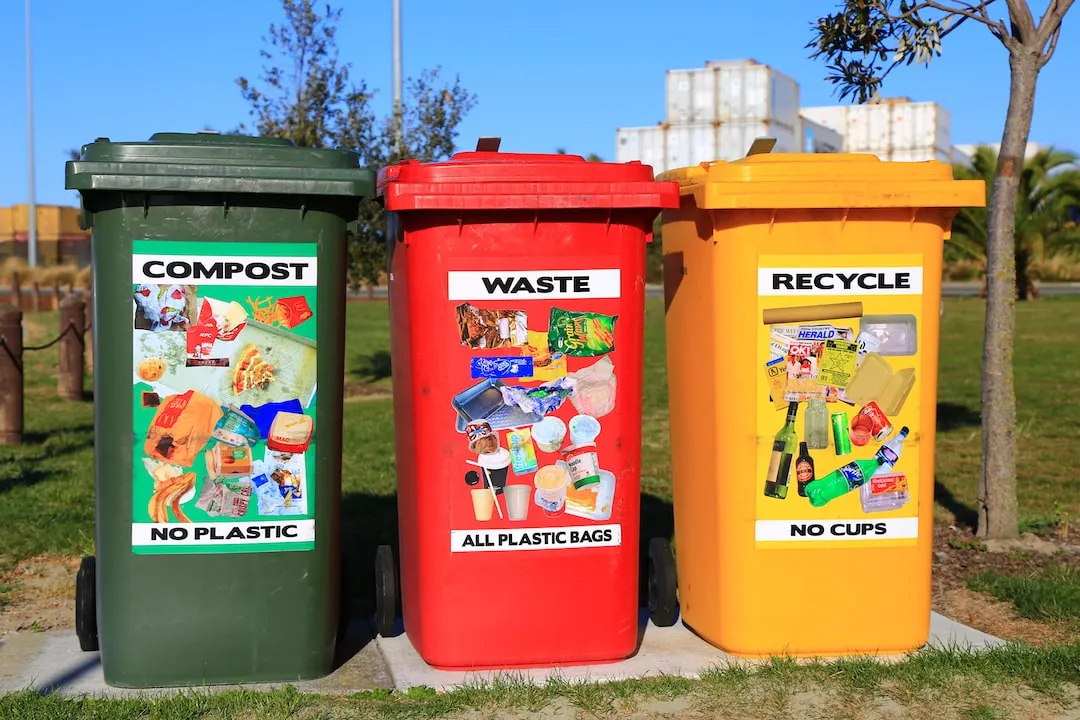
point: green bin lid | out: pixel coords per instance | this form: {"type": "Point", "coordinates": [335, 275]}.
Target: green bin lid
{"type": "Point", "coordinates": [209, 162]}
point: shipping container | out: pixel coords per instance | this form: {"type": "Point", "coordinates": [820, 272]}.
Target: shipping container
{"type": "Point", "coordinates": [644, 144]}
{"type": "Point", "coordinates": [731, 91]}
{"type": "Point", "coordinates": [922, 155]}
{"type": "Point", "coordinates": [817, 138]}
{"type": "Point", "coordinates": [667, 147]}
{"type": "Point", "coordinates": [833, 117]}
{"type": "Point", "coordinates": [887, 128]}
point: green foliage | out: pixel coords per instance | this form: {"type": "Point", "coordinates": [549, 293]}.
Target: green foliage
{"type": "Point", "coordinates": [307, 94]}
{"type": "Point", "coordinates": [1049, 192]}
{"type": "Point", "coordinates": [865, 39]}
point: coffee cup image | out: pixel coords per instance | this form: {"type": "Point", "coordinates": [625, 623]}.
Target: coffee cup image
{"type": "Point", "coordinates": [495, 466]}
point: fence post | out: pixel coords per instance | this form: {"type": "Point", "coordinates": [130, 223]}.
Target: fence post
{"type": "Point", "coordinates": [16, 291]}
{"type": "Point", "coordinates": [11, 380]}
{"type": "Point", "coordinates": [37, 297]}
{"type": "Point", "coordinates": [56, 294]}
{"type": "Point", "coordinates": [72, 324]}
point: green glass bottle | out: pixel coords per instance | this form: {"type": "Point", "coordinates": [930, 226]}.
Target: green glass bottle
{"type": "Point", "coordinates": [783, 450]}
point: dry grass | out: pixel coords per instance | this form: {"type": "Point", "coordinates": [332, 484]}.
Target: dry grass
{"type": "Point", "coordinates": [1059, 268]}
{"type": "Point", "coordinates": [64, 275]}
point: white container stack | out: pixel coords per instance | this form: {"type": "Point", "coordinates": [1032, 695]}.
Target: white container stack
{"type": "Point", "coordinates": [896, 129]}
{"type": "Point", "coordinates": [732, 91]}
{"type": "Point", "coordinates": [817, 138]}
{"type": "Point", "coordinates": [675, 145]}
{"type": "Point", "coordinates": [715, 113]}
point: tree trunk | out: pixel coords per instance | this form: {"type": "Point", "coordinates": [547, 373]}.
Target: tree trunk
{"type": "Point", "coordinates": [998, 516]}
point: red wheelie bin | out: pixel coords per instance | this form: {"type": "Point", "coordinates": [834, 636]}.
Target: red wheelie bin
{"type": "Point", "coordinates": [517, 298]}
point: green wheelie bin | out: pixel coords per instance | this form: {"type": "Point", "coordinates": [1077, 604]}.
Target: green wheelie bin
{"type": "Point", "coordinates": [218, 320]}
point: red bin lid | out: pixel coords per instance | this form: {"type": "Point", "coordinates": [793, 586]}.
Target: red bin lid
{"type": "Point", "coordinates": [522, 181]}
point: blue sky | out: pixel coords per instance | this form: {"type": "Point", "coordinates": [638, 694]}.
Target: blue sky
{"type": "Point", "coordinates": [126, 69]}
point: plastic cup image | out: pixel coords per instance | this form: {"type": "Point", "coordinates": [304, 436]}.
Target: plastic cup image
{"type": "Point", "coordinates": [549, 434]}
{"type": "Point", "coordinates": [517, 501]}
{"type": "Point", "coordinates": [583, 429]}
{"type": "Point", "coordinates": [551, 482]}
{"type": "Point", "coordinates": [483, 503]}
{"type": "Point", "coordinates": [496, 466]}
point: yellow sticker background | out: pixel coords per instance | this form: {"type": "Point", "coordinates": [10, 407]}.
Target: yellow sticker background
{"type": "Point", "coordinates": [770, 419]}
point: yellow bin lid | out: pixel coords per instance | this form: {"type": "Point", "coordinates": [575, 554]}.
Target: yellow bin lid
{"type": "Point", "coordinates": [821, 180]}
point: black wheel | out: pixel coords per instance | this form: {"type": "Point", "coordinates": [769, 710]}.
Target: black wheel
{"type": "Point", "coordinates": [385, 591]}
{"type": "Point", "coordinates": [663, 608]}
{"type": "Point", "coordinates": [344, 600]}
{"type": "Point", "coordinates": [86, 605]}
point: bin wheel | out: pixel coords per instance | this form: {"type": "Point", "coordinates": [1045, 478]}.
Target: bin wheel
{"type": "Point", "coordinates": [86, 604]}
{"type": "Point", "coordinates": [385, 591]}
{"type": "Point", "coordinates": [663, 609]}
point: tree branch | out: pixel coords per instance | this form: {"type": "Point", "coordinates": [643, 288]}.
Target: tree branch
{"type": "Point", "coordinates": [1051, 47]}
{"type": "Point", "coordinates": [972, 12]}
{"type": "Point", "coordinates": [1020, 14]}
{"type": "Point", "coordinates": [1050, 25]}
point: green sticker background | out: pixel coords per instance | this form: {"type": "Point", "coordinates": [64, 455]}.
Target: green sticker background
{"type": "Point", "coordinates": [143, 483]}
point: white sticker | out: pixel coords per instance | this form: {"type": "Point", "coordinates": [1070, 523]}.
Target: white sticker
{"type": "Point", "coordinates": [215, 270]}
{"type": "Point", "coordinates": [840, 281]}
{"type": "Point", "coordinates": [857, 529]}
{"type": "Point", "coordinates": [213, 533]}
{"type": "Point", "coordinates": [533, 284]}
{"type": "Point", "coordinates": [564, 538]}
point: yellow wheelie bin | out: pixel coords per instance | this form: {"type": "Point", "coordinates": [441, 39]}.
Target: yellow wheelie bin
{"type": "Point", "coordinates": [802, 300]}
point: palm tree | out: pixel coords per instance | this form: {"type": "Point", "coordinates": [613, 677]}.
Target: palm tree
{"type": "Point", "coordinates": [1049, 196]}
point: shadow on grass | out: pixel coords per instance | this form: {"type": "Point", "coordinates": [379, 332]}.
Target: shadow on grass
{"type": "Point", "coordinates": [951, 416]}
{"type": "Point", "coordinates": [964, 514]}
{"type": "Point", "coordinates": [373, 367]}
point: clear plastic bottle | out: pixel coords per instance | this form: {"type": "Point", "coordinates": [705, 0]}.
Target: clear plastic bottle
{"type": "Point", "coordinates": [853, 475]}
{"type": "Point", "coordinates": [817, 424]}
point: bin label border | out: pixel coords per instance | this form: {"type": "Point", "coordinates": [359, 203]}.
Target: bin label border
{"type": "Point", "coordinates": [878, 280]}
{"type": "Point", "coordinates": [545, 538]}
{"type": "Point", "coordinates": [596, 284]}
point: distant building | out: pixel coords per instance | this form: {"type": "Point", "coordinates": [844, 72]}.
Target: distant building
{"type": "Point", "coordinates": [61, 240]}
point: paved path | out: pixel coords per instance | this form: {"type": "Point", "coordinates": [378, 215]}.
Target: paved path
{"type": "Point", "coordinates": [52, 662]}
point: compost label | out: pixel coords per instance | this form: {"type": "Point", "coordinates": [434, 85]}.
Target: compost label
{"type": "Point", "coordinates": [223, 392]}
{"type": "Point", "coordinates": [540, 447]}
{"type": "Point", "coordinates": [838, 411]}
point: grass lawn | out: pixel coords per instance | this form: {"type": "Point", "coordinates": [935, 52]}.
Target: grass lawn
{"type": "Point", "coordinates": [938, 685]}
{"type": "Point", "coordinates": [48, 509]}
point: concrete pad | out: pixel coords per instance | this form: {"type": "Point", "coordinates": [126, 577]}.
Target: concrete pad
{"type": "Point", "coordinates": [51, 662]}
{"type": "Point", "coordinates": [664, 651]}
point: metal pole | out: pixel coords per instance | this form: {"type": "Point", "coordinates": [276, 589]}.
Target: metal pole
{"type": "Point", "coordinates": [398, 135]}
{"type": "Point", "coordinates": [31, 238]}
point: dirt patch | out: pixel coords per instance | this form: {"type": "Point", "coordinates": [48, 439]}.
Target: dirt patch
{"type": "Point", "coordinates": [958, 557]}
{"type": "Point", "coordinates": [986, 613]}
{"type": "Point", "coordinates": [365, 391]}
{"type": "Point", "coordinates": [42, 595]}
